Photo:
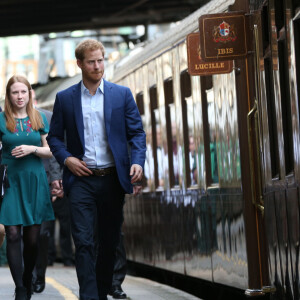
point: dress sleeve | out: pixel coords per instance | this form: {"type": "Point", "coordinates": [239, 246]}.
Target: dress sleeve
{"type": "Point", "coordinates": [45, 129]}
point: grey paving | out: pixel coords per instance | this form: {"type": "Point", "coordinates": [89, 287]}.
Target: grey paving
{"type": "Point", "coordinates": [62, 284]}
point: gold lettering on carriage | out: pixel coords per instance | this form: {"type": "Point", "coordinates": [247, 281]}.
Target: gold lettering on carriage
{"type": "Point", "coordinates": [222, 51]}
{"type": "Point", "coordinates": [209, 66]}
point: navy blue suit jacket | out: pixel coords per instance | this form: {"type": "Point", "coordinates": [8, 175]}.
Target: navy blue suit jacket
{"type": "Point", "coordinates": [123, 127]}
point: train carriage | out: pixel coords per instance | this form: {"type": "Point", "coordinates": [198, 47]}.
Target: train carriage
{"type": "Point", "coordinates": [220, 201]}
{"type": "Point", "coordinates": [220, 197]}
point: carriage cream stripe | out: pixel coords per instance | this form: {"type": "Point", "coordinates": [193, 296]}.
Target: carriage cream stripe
{"type": "Point", "coordinates": [65, 292]}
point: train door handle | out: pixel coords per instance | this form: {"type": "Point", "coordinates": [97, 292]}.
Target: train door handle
{"type": "Point", "coordinates": [257, 199]}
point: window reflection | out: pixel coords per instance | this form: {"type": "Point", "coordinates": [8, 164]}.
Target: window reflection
{"type": "Point", "coordinates": [148, 167]}
{"type": "Point", "coordinates": [172, 147]}
{"type": "Point", "coordinates": [188, 122]}
{"type": "Point", "coordinates": [192, 160]}
{"type": "Point", "coordinates": [212, 135]}
{"type": "Point", "coordinates": [175, 147]}
{"type": "Point", "coordinates": [156, 135]}
{"type": "Point", "coordinates": [160, 151]}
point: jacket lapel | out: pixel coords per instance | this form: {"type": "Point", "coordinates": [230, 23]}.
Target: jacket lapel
{"type": "Point", "coordinates": [76, 97]}
{"type": "Point", "coordinates": [107, 105]}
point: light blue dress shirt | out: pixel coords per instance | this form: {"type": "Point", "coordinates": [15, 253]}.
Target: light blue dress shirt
{"type": "Point", "coordinates": [97, 151]}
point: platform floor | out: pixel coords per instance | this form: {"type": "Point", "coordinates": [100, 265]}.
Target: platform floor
{"type": "Point", "coordinates": [61, 283]}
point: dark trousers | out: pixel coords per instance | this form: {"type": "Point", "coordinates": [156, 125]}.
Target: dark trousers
{"type": "Point", "coordinates": [47, 249]}
{"type": "Point", "coordinates": [120, 266]}
{"type": "Point", "coordinates": [94, 198]}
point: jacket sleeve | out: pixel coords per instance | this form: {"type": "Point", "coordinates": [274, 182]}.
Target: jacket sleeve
{"type": "Point", "coordinates": [136, 136]}
{"type": "Point", "coordinates": [56, 138]}
{"type": "Point", "coordinates": [54, 169]}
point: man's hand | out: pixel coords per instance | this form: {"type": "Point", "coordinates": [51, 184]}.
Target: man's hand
{"type": "Point", "coordinates": [77, 167]}
{"type": "Point", "coordinates": [136, 171]}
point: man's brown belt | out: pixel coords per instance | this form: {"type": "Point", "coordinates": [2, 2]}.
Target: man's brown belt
{"type": "Point", "coordinates": [103, 172]}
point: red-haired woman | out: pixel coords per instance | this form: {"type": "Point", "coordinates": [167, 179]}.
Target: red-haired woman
{"type": "Point", "coordinates": [26, 204]}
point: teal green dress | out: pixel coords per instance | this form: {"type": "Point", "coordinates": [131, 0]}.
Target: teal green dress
{"type": "Point", "coordinates": [27, 201]}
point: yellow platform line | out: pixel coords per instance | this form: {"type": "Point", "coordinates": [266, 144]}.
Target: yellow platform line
{"type": "Point", "coordinates": [65, 292]}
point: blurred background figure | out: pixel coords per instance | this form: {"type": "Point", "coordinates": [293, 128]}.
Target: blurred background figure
{"type": "Point", "coordinates": [62, 214]}
{"type": "Point", "coordinates": [192, 158]}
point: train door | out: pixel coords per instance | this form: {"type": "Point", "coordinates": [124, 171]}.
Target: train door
{"type": "Point", "coordinates": [273, 124]}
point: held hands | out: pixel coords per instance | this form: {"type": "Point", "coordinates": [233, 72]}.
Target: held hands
{"type": "Point", "coordinates": [23, 150]}
{"type": "Point", "coordinates": [136, 171]}
{"type": "Point", "coordinates": [137, 189]}
{"type": "Point", "coordinates": [77, 167]}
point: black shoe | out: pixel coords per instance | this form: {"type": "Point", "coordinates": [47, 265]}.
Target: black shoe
{"type": "Point", "coordinates": [21, 293]}
{"type": "Point", "coordinates": [117, 292]}
{"type": "Point", "coordinates": [27, 283]}
{"type": "Point", "coordinates": [39, 285]}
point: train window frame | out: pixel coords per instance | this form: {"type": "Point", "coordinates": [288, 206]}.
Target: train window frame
{"type": "Point", "coordinates": [169, 108]}
{"type": "Point", "coordinates": [279, 88]}
{"type": "Point", "coordinates": [273, 134]}
{"type": "Point", "coordinates": [270, 94]}
{"type": "Point", "coordinates": [296, 22]}
{"type": "Point", "coordinates": [207, 84]}
{"type": "Point", "coordinates": [186, 92]}
{"type": "Point", "coordinates": [154, 107]}
{"type": "Point", "coordinates": [286, 113]}
{"type": "Point", "coordinates": [139, 98]}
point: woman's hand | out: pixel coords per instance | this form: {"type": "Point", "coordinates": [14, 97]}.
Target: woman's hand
{"type": "Point", "coordinates": [23, 150]}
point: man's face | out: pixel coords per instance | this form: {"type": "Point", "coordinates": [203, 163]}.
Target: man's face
{"type": "Point", "coordinates": [92, 66]}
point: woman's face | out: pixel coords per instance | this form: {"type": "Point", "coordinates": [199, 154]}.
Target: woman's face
{"type": "Point", "coordinates": [19, 95]}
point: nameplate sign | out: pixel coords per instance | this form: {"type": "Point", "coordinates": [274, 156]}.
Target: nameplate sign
{"type": "Point", "coordinates": [223, 36]}
{"type": "Point", "coordinates": [196, 66]}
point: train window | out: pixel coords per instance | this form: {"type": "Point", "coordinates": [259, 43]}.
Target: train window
{"type": "Point", "coordinates": [188, 129]}
{"type": "Point", "coordinates": [297, 48]}
{"type": "Point", "coordinates": [140, 103]}
{"type": "Point", "coordinates": [269, 82]}
{"type": "Point", "coordinates": [209, 126]}
{"type": "Point", "coordinates": [157, 146]}
{"type": "Point", "coordinates": [171, 133]}
{"type": "Point", "coordinates": [148, 167]}
{"type": "Point", "coordinates": [283, 56]}
{"type": "Point", "coordinates": [273, 137]}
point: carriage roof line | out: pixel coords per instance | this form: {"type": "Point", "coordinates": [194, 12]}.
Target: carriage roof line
{"type": "Point", "coordinates": [169, 39]}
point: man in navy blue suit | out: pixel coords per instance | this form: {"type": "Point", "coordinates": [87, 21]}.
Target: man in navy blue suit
{"type": "Point", "coordinates": [99, 121]}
